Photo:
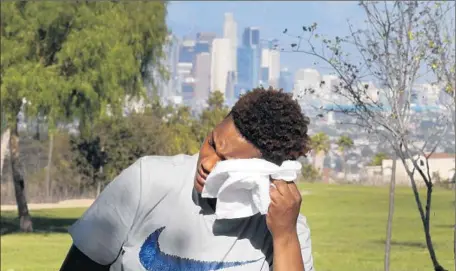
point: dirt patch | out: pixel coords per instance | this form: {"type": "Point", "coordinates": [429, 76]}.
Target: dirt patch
{"type": "Point", "coordinates": [76, 203]}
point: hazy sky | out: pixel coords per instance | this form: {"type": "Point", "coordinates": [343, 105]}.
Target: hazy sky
{"type": "Point", "coordinates": [186, 18]}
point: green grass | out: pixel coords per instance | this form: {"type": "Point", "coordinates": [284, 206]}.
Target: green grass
{"type": "Point", "coordinates": [348, 230]}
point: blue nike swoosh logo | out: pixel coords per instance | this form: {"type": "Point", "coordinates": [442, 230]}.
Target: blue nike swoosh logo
{"type": "Point", "coordinates": [153, 259]}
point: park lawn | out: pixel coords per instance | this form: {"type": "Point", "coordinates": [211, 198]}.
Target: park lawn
{"type": "Point", "coordinates": [347, 222]}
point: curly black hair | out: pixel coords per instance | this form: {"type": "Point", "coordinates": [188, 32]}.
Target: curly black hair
{"type": "Point", "coordinates": [272, 121]}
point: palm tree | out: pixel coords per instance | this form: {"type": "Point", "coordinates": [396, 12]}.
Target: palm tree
{"type": "Point", "coordinates": [344, 144]}
{"type": "Point", "coordinates": [320, 145]}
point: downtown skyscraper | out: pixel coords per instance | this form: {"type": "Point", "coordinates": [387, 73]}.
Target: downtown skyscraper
{"type": "Point", "coordinates": [249, 60]}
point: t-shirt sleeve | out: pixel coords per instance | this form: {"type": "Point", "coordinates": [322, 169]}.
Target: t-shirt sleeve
{"type": "Point", "coordinates": [305, 242]}
{"type": "Point", "coordinates": [102, 230]}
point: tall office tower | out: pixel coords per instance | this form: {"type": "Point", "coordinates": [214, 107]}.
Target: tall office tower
{"type": "Point", "coordinates": [220, 64]}
{"type": "Point", "coordinates": [286, 80]}
{"type": "Point", "coordinates": [187, 51]}
{"type": "Point", "coordinates": [205, 36]}
{"type": "Point", "coordinates": [230, 33]}
{"type": "Point", "coordinates": [274, 68]}
{"type": "Point", "coordinates": [170, 87]}
{"type": "Point", "coordinates": [270, 68]}
{"type": "Point", "coordinates": [204, 42]}
{"type": "Point", "coordinates": [251, 37]}
{"type": "Point", "coordinates": [245, 70]}
{"type": "Point", "coordinates": [230, 88]}
{"type": "Point", "coordinates": [188, 92]}
{"type": "Point", "coordinates": [264, 68]}
{"type": "Point", "coordinates": [251, 40]}
{"type": "Point", "coordinates": [202, 74]}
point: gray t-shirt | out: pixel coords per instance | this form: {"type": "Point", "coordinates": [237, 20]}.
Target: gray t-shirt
{"type": "Point", "coordinates": [151, 218]}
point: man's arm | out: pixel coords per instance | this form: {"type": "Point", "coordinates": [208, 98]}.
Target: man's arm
{"type": "Point", "coordinates": [282, 223]}
{"type": "Point", "coordinates": [76, 260]}
{"type": "Point", "coordinates": [98, 236]}
{"type": "Point", "coordinates": [287, 253]}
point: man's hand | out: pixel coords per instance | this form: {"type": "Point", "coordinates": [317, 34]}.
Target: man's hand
{"type": "Point", "coordinates": [284, 208]}
{"type": "Point", "coordinates": [281, 220]}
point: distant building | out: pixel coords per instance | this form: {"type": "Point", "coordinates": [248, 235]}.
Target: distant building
{"type": "Point", "coordinates": [270, 68]}
{"type": "Point", "coordinates": [247, 68]}
{"type": "Point", "coordinates": [250, 58]}
{"type": "Point", "coordinates": [251, 37]}
{"type": "Point", "coordinates": [230, 88]}
{"type": "Point", "coordinates": [202, 74]}
{"type": "Point", "coordinates": [170, 87]}
{"type": "Point", "coordinates": [205, 37]}
{"type": "Point", "coordinates": [188, 90]}
{"type": "Point", "coordinates": [305, 79]}
{"type": "Point", "coordinates": [220, 64]}
{"type": "Point", "coordinates": [187, 51]}
{"type": "Point", "coordinates": [286, 80]}
{"type": "Point", "coordinates": [230, 33]}
{"type": "Point", "coordinates": [441, 166]}
{"type": "Point", "coordinates": [274, 68]}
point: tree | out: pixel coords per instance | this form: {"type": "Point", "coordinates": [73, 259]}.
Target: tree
{"type": "Point", "coordinates": [215, 112]}
{"type": "Point", "coordinates": [441, 39]}
{"type": "Point", "coordinates": [309, 173]}
{"type": "Point", "coordinates": [181, 126]}
{"type": "Point", "coordinates": [320, 145]}
{"type": "Point", "coordinates": [69, 60]}
{"type": "Point", "coordinates": [390, 51]}
{"type": "Point", "coordinates": [344, 143]}
{"type": "Point", "coordinates": [378, 158]}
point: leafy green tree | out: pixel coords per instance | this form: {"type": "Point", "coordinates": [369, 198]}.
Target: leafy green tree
{"type": "Point", "coordinates": [378, 159]}
{"type": "Point", "coordinates": [73, 60]}
{"type": "Point", "coordinates": [320, 145]}
{"type": "Point", "coordinates": [181, 126]}
{"type": "Point", "coordinates": [345, 143]}
{"type": "Point", "coordinates": [309, 173]}
{"type": "Point", "coordinates": [116, 143]}
{"type": "Point", "coordinates": [212, 115]}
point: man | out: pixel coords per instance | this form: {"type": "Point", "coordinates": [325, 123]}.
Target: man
{"type": "Point", "coordinates": [152, 216]}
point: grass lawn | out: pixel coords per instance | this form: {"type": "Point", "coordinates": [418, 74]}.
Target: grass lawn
{"type": "Point", "coordinates": [348, 226]}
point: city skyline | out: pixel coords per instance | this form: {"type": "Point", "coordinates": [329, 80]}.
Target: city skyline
{"type": "Point", "coordinates": [185, 19]}
{"type": "Point", "coordinates": [241, 55]}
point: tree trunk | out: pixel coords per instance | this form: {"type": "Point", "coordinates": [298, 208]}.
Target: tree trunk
{"type": "Point", "coordinates": [427, 231]}
{"type": "Point", "coordinates": [320, 161]}
{"type": "Point", "coordinates": [389, 223]}
{"type": "Point", "coordinates": [37, 131]}
{"type": "Point", "coordinates": [436, 264]}
{"type": "Point", "coordinates": [4, 148]}
{"type": "Point", "coordinates": [48, 168]}
{"type": "Point", "coordinates": [25, 219]}
{"type": "Point", "coordinates": [454, 183]}
{"type": "Point", "coordinates": [344, 166]}
{"type": "Point", "coordinates": [425, 219]}
{"type": "Point", "coordinates": [99, 182]}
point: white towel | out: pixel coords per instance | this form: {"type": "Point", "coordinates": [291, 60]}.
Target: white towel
{"type": "Point", "coordinates": [241, 186]}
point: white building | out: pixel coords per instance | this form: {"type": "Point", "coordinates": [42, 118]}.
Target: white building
{"type": "Point", "coordinates": [306, 78]}
{"type": "Point", "coordinates": [220, 64]}
{"type": "Point", "coordinates": [440, 164]}
{"type": "Point", "coordinates": [331, 82]}
{"type": "Point", "coordinates": [270, 59]}
{"type": "Point", "coordinates": [274, 68]}
{"type": "Point", "coordinates": [230, 33]}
